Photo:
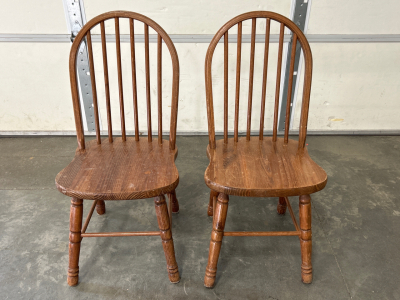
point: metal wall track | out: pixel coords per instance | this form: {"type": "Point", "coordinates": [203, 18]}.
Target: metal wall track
{"type": "Point", "coordinates": [75, 21]}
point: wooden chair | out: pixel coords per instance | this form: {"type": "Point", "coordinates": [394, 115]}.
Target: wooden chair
{"type": "Point", "coordinates": [258, 166]}
{"type": "Point", "coordinates": [122, 168]}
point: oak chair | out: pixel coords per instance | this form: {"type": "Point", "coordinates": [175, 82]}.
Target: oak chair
{"type": "Point", "coordinates": [122, 168]}
{"type": "Point", "coordinates": [260, 166]}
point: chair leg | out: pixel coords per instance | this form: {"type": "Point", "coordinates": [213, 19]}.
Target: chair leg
{"type": "Point", "coordinates": [166, 237]}
{"type": "Point", "coordinates": [216, 239]}
{"type": "Point", "coordinates": [75, 228]}
{"type": "Point", "coordinates": [281, 206]}
{"type": "Point", "coordinates": [101, 207]}
{"type": "Point", "coordinates": [210, 210]}
{"type": "Point", "coordinates": [305, 238]}
{"type": "Point", "coordinates": [174, 201]}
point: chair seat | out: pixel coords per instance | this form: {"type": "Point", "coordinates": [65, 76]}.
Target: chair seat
{"type": "Point", "coordinates": [120, 170]}
{"type": "Point", "coordinates": [262, 169]}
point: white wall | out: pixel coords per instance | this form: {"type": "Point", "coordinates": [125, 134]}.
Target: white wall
{"type": "Point", "coordinates": [355, 86]}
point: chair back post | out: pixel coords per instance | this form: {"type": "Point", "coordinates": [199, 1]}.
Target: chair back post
{"type": "Point", "coordinates": [84, 33]}
{"type": "Point", "coordinates": [297, 35]}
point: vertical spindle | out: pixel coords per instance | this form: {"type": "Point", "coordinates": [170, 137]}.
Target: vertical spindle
{"type": "Point", "coordinates": [239, 54]}
{"type": "Point", "coordinates": [289, 95]}
{"type": "Point", "coordinates": [121, 94]}
{"type": "Point", "coordinates": [134, 86]}
{"type": "Point", "coordinates": [159, 90]}
{"type": "Point", "coordinates": [94, 91]}
{"type": "Point", "coordinates": [278, 82]}
{"type": "Point", "coordinates": [226, 87]}
{"type": "Point", "coordinates": [106, 82]}
{"type": "Point", "coordinates": [251, 77]}
{"type": "Point", "coordinates": [264, 82]}
{"type": "Point", "coordinates": [146, 46]}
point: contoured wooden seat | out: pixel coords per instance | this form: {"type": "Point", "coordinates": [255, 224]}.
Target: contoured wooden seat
{"type": "Point", "coordinates": [259, 166]}
{"type": "Point", "coordinates": [122, 168]}
{"type": "Point", "coordinates": [262, 168]}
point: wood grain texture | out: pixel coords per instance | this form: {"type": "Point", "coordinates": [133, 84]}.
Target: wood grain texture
{"type": "Point", "coordinates": [264, 82]}
{"type": "Point", "coordinates": [284, 23]}
{"type": "Point", "coordinates": [166, 237]}
{"type": "Point", "coordinates": [94, 90]}
{"type": "Point", "coordinates": [134, 83]}
{"type": "Point", "coordinates": [278, 82]}
{"type": "Point", "coordinates": [251, 77]}
{"type": "Point", "coordinates": [174, 202]}
{"type": "Point", "coordinates": [120, 171]}
{"type": "Point", "coordinates": [237, 93]}
{"type": "Point", "coordinates": [210, 210]}
{"type": "Point", "coordinates": [305, 238]}
{"type": "Point", "coordinates": [106, 82]}
{"type": "Point", "coordinates": [120, 87]}
{"type": "Point", "coordinates": [122, 168]}
{"type": "Point", "coordinates": [262, 168]}
{"type": "Point", "coordinates": [281, 209]}
{"type": "Point", "coordinates": [115, 15]}
{"type": "Point", "coordinates": [290, 86]}
{"type": "Point", "coordinates": [217, 234]}
{"type": "Point", "coordinates": [100, 207]}
{"type": "Point", "coordinates": [147, 67]}
{"type": "Point", "coordinates": [74, 240]}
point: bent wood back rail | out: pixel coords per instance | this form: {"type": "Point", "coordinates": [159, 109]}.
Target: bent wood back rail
{"type": "Point", "coordinates": [122, 168]}
{"type": "Point", "coordinates": [259, 166]}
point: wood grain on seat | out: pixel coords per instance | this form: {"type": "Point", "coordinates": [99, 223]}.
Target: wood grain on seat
{"type": "Point", "coordinates": [259, 166]}
{"type": "Point", "coordinates": [120, 170]}
{"type": "Point", "coordinates": [262, 168]}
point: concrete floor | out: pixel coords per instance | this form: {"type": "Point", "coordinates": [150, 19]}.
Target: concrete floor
{"type": "Point", "coordinates": [356, 236]}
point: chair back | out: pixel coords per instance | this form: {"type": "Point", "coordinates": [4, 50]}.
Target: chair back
{"type": "Point", "coordinates": [86, 34]}
{"type": "Point", "coordinates": [297, 36]}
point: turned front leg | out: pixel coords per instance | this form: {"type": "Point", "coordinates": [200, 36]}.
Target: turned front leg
{"type": "Point", "coordinates": [305, 238]}
{"type": "Point", "coordinates": [101, 207]}
{"type": "Point", "coordinates": [174, 202]}
{"type": "Point", "coordinates": [217, 234]}
{"type": "Point", "coordinates": [281, 206]}
{"type": "Point", "coordinates": [75, 228]}
{"type": "Point", "coordinates": [166, 237]}
{"type": "Point", "coordinates": [213, 195]}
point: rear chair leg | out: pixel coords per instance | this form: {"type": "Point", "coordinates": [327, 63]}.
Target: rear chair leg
{"type": "Point", "coordinates": [174, 201]}
{"type": "Point", "coordinates": [166, 237]}
{"type": "Point", "coordinates": [101, 207]}
{"type": "Point", "coordinates": [305, 238]}
{"type": "Point", "coordinates": [281, 206]}
{"type": "Point", "coordinates": [75, 228]}
{"type": "Point", "coordinates": [213, 195]}
{"type": "Point", "coordinates": [217, 234]}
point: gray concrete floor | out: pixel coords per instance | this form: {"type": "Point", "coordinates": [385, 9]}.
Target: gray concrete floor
{"type": "Point", "coordinates": [356, 236]}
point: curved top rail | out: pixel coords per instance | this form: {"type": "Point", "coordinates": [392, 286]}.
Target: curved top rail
{"type": "Point", "coordinates": [72, 68]}
{"type": "Point", "coordinates": [307, 60]}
